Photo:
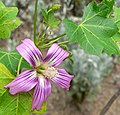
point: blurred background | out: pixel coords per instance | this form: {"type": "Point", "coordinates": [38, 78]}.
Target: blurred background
{"type": "Point", "coordinates": [96, 78]}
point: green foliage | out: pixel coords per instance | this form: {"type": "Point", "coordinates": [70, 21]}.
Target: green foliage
{"type": "Point", "coordinates": [106, 6]}
{"type": "Point", "coordinates": [98, 32]}
{"type": "Point", "coordinates": [94, 33]}
{"type": "Point", "coordinates": [103, 9]}
{"type": "Point", "coordinates": [11, 60]}
{"type": "Point", "coordinates": [117, 17]}
{"type": "Point", "coordinates": [55, 7]}
{"type": "Point", "coordinates": [49, 17]}
{"type": "Point", "coordinates": [89, 71]}
{"type": "Point", "coordinates": [8, 20]}
{"type": "Point", "coordinates": [19, 104]}
{"type": "Point", "coordinates": [5, 77]}
{"type": "Point", "coordinates": [116, 37]}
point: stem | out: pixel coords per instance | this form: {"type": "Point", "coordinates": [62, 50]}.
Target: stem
{"type": "Point", "coordinates": [53, 40]}
{"type": "Point", "coordinates": [41, 28]}
{"type": "Point", "coordinates": [63, 42]}
{"type": "Point", "coordinates": [110, 102]}
{"type": "Point", "coordinates": [44, 32]}
{"type": "Point", "coordinates": [35, 20]}
{"type": "Point", "coordinates": [40, 38]}
{"type": "Point", "coordinates": [42, 47]}
{"type": "Point", "coordinates": [58, 37]}
{"type": "Point", "coordinates": [19, 64]}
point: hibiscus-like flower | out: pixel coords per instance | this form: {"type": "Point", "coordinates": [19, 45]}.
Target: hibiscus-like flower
{"type": "Point", "coordinates": [42, 71]}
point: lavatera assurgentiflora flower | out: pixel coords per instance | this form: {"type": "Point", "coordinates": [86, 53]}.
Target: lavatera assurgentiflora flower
{"type": "Point", "coordinates": [43, 70]}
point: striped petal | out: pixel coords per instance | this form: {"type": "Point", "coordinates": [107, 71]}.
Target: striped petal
{"type": "Point", "coordinates": [23, 82]}
{"type": "Point", "coordinates": [63, 79]}
{"type": "Point", "coordinates": [55, 55]}
{"type": "Point", "coordinates": [30, 52]}
{"type": "Point", "coordinates": [41, 93]}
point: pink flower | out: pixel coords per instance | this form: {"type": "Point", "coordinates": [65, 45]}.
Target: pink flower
{"type": "Point", "coordinates": [42, 71]}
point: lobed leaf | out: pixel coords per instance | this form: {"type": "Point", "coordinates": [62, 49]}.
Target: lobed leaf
{"type": "Point", "coordinates": [8, 20]}
{"type": "Point", "coordinates": [94, 33]}
{"type": "Point", "coordinates": [49, 17]}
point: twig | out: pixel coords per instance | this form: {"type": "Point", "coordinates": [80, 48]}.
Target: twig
{"type": "Point", "coordinates": [110, 102]}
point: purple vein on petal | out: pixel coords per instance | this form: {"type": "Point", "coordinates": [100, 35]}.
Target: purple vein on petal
{"type": "Point", "coordinates": [51, 52]}
{"type": "Point", "coordinates": [63, 54]}
{"type": "Point", "coordinates": [26, 55]}
{"type": "Point", "coordinates": [31, 45]}
{"type": "Point", "coordinates": [55, 55]}
{"type": "Point", "coordinates": [41, 93]}
{"type": "Point", "coordinates": [30, 52]}
{"type": "Point", "coordinates": [23, 82]}
{"type": "Point", "coordinates": [63, 79]}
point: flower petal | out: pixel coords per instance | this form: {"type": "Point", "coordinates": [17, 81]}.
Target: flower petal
{"type": "Point", "coordinates": [55, 55]}
{"type": "Point", "coordinates": [23, 82]}
{"type": "Point", "coordinates": [41, 93]}
{"type": "Point", "coordinates": [30, 52]}
{"type": "Point", "coordinates": [63, 79]}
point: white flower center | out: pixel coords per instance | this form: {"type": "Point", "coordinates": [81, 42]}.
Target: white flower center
{"type": "Point", "coordinates": [50, 72]}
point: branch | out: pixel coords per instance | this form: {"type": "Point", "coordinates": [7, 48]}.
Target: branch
{"type": "Point", "coordinates": [110, 102]}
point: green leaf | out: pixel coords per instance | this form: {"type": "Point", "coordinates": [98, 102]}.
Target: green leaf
{"type": "Point", "coordinates": [116, 37]}
{"type": "Point", "coordinates": [44, 13]}
{"type": "Point", "coordinates": [1, 5]}
{"type": "Point", "coordinates": [52, 21]}
{"type": "Point", "coordinates": [94, 33]}
{"type": "Point", "coordinates": [106, 6]}
{"type": "Point", "coordinates": [56, 7]}
{"type": "Point", "coordinates": [117, 17]}
{"type": "Point", "coordinates": [8, 20]}
{"type": "Point", "coordinates": [12, 23]}
{"type": "Point", "coordinates": [5, 78]}
{"type": "Point", "coordinates": [102, 9]}
{"type": "Point", "coordinates": [11, 60]}
{"type": "Point", "coordinates": [49, 17]}
{"type": "Point", "coordinates": [19, 104]}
